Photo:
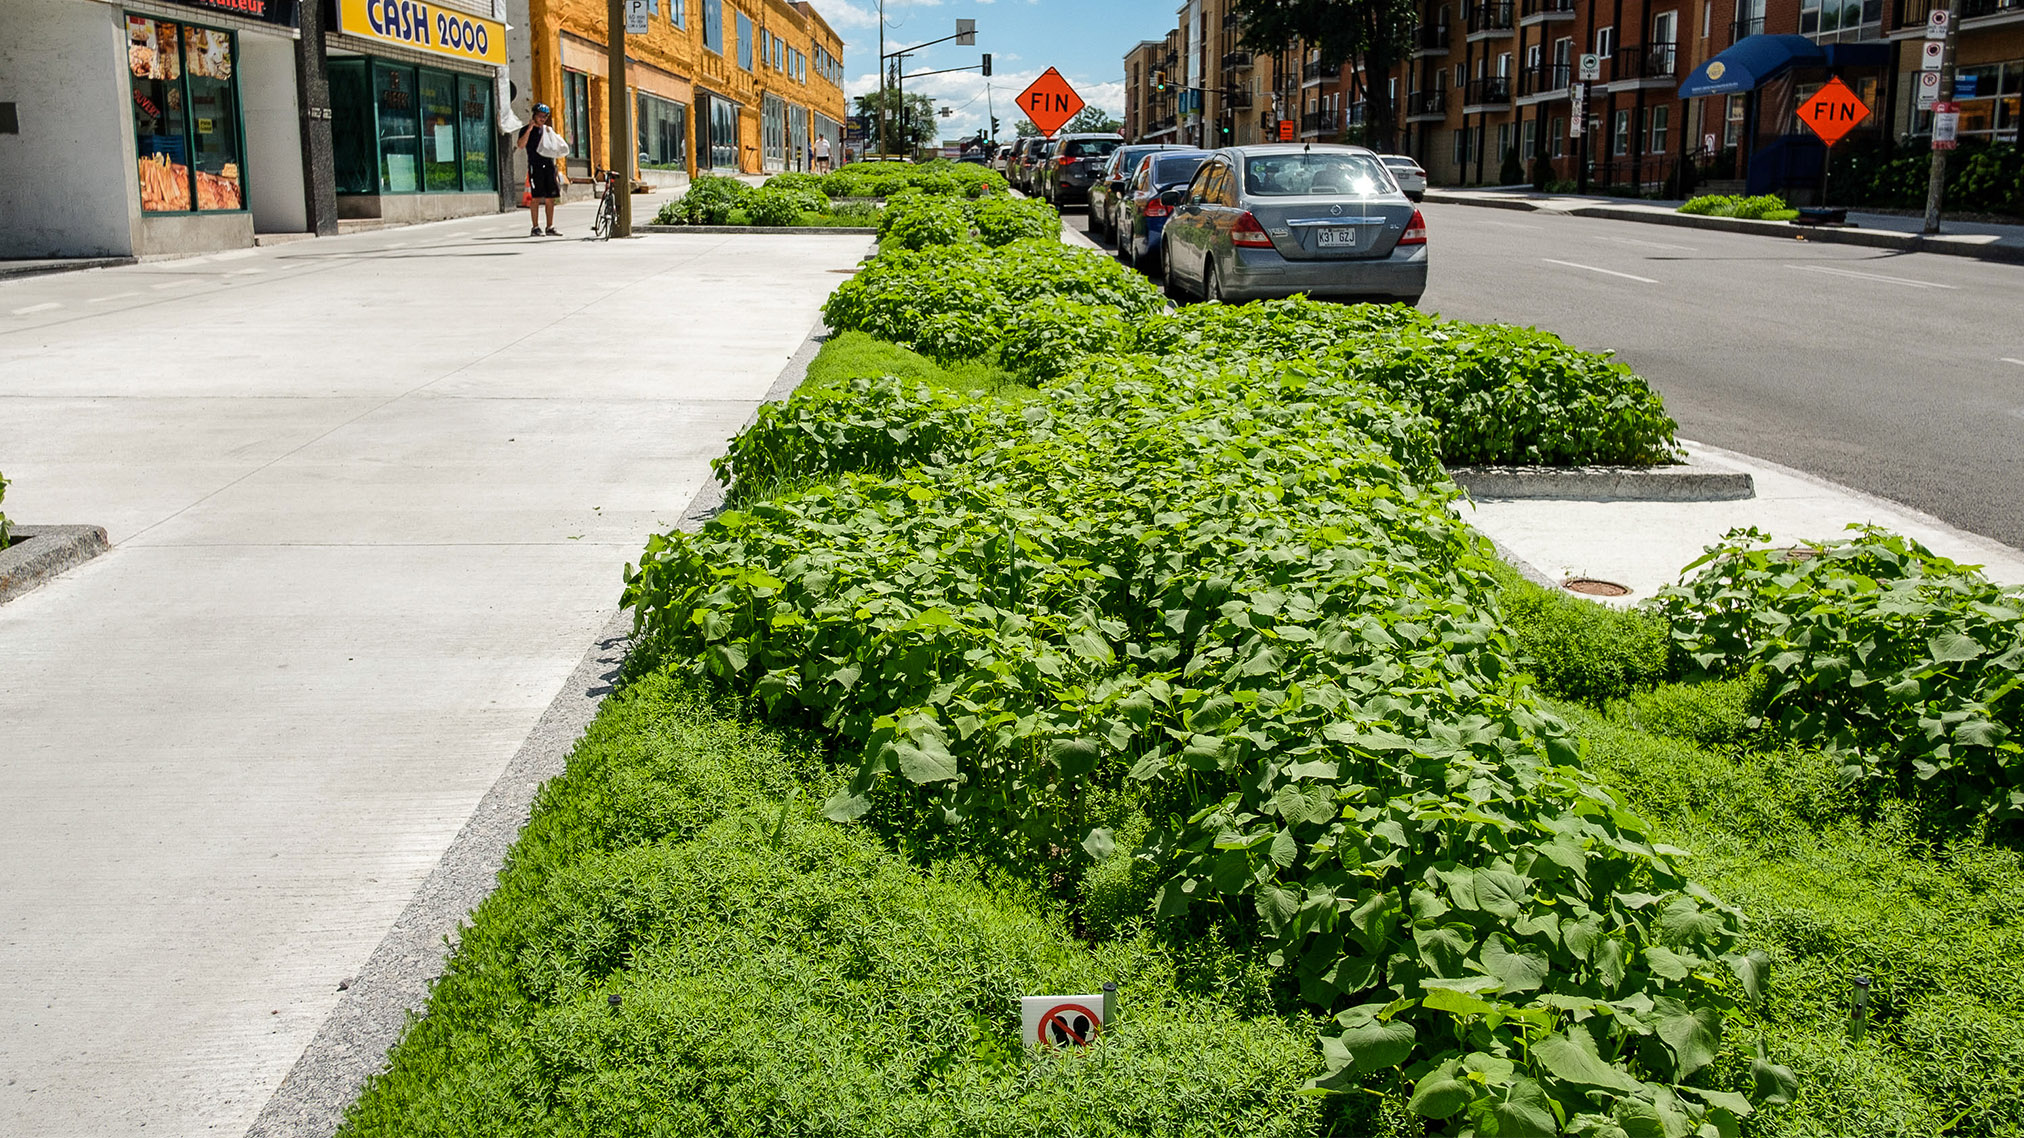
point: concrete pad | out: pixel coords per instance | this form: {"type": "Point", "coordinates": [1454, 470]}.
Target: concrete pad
{"type": "Point", "coordinates": [369, 507]}
{"type": "Point", "coordinates": [1644, 545]}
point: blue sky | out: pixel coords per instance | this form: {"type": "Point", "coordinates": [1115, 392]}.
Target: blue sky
{"type": "Point", "coordinates": [1085, 40]}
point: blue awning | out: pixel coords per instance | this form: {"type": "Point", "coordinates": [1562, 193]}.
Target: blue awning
{"type": "Point", "coordinates": [1752, 61]}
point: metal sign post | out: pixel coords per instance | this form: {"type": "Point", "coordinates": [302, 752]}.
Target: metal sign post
{"type": "Point", "coordinates": [620, 100]}
{"type": "Point", "coordinates": [1940, 26]}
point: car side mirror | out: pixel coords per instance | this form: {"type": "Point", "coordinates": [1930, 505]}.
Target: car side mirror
{"type": "Point", "coordinates": [1172, 197]}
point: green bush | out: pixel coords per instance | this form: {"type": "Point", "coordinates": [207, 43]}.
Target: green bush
{"type": "Point", "coordinates": [1043, 343]}
{"type": "Point", "coordinates": [782, 206]}
{"type": "Point", "coordinates": [1003, 220]}
{"type": "Point", "coordinates": [1907, 664]}
{"type": "Point", "coordinates": [1709, 713]}
{"type": "Point", "coordinates": [938, 178]}
{"type": "Point", "coordinates": [1583, 650]}
{"type": "Point", "coordinates": [829, 432]}
{"type": "Point", "coordinates": [709, 200]}
{"type": "Point", "coordinates": [1230, 608]}
{"type": "Point", "coordinates": [680, 945]}
{"type": "Point", "coordinates": [919, 222]}
{"type": "Point", "coordinates": [1769, 206]}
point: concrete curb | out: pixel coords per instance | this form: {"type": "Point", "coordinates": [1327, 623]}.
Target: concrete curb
{"type": "Point", "coordinates": [1783, 230]}
{"type": "Point", "coordinates": [352, 1043]}
{"type": "Point", "coordinates": [1689, 481]}
{"type": "Point", "coordinates": [39, 269]}
{"type": "Point", "coordinates": [37, 553]}
{"type": "Point", "coordinates": [798, 230]}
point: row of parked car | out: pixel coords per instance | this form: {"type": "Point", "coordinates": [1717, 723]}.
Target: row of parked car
{"type": "Point", "coordinates": [1243, 222]}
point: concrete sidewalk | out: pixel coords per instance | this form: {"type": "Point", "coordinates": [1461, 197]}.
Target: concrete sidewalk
{"type": "Point", "coordinates": [1644, 545]}
{"type": "Point", "coordinates": [1871, 230]}
{"type": "Point", "coordinates": [369, 498]}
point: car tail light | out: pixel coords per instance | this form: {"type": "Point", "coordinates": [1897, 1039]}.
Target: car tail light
{"type": "Point", "coordinates": [1248, 234]}
{"type": "Point", "coordinates": [1157, 208]}
{"type": "Point", "coordinates": [1065, 160]}
{"type": "Point", "coordinates": [1416, 231]}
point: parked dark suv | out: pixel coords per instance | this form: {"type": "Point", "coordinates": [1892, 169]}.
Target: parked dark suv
{"type": "Point", "coordinates": [1025, 160]}
{"type": "Point", "coordinates": [1070, 166]}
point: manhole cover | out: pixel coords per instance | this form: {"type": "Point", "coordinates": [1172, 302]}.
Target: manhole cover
{"type": "Point", "coordinates": [1591, 587]}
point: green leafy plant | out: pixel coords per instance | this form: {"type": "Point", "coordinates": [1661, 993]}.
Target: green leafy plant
{"type": "Point", "coordinates": [709, 200]}
{"type": "Point", "coordinates": [1232, 605]}
{"type": "Point", "coordinates": [782, 206]}
{"type": "Point", "coordinates": [1765, 206]}
{"type": "Point", "coordinates": [1907, 664]}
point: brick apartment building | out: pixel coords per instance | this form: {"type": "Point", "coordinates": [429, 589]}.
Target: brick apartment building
{"type": "Point", "coordinates": [724, 85]}
{"type": "Point", "coordinates": [1487, 78]}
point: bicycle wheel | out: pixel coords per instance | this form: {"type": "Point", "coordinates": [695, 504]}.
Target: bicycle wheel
{"type": "Point", "coordinates": [607, 215]}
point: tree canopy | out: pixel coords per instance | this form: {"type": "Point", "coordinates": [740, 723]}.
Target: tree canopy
{"type": "Point", "coordinates": [1372, 34]}
{"type": "Point", "coordinates": [917, 128]}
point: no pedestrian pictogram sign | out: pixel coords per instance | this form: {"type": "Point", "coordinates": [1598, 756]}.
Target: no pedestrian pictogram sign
{"type": "Point", "coordinates": [1833, 111]}
{"type": "Point", "coordinates": [1050, 102]}
{"type": "Point", "coordinates": [1060, 1021]}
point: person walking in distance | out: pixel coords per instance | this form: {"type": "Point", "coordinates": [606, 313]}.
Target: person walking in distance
{"type": "Point", "coordinates": [822, 153]}
{"type": "Point", "coordinates": [544, 184]}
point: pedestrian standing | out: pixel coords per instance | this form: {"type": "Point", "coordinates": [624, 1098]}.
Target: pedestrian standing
{"type": "Point", "coordinates": [822, 153]}
{"type": "Point", "coordinates": [544, 181]}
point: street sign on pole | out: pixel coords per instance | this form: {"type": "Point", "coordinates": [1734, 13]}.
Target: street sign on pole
{"type": "Point", "coordinates": [636, 15]}
{"type": "Point", "coordinates": [1933, 56]}
{"type": "Point", "coordinates": [1937, 22]}
{"type": "Point", "coordinates": [1928, 91]}
{"type": "Point", "coordinates": [1591, 68]}
{"type": "Point", "coordinates": [1833, 111]}
{"type": "Point", "coordinates": [1050, 102]}
{"type": "Point", "coordinates": [1060, 1021]}
{"type": "Point", "coordinates": [1946, 125]}
{"type": "Point", "coordinates": [1577, 97]}
{"type": "Point", "coordinates": [1286, 130]}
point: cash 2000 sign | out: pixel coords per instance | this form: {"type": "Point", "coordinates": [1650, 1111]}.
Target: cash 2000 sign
{"type": "Point", "coordinates": [413, 23]}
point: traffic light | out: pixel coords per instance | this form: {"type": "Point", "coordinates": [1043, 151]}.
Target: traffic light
{"type": "Point", "coordinates": [1159, 81]}
{"type": "Point", "coordinates": [987, 63]}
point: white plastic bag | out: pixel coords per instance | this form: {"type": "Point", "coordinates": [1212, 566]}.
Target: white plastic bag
{"type": "Point", "coordinates": [552, 144]}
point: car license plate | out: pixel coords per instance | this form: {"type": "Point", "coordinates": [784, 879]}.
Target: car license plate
{"type": "Point", "coordinates": [1337, 237]}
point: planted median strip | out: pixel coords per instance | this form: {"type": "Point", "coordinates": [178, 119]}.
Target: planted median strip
{"type": "Point", "coordinates": [1053, 638]}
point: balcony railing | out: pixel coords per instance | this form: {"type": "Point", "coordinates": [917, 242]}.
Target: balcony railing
{"type": "Point", "coordinates": [1310, 73]}
{"type": "Point", "coordinates": [1233, 20]}
{"type": "Point", "coordinates": [1236, 59]}
{"type": "Point", "coordinates": [1431, 37]}
{"type": "Point", "coordinates": [1490, 17]}
{"type": "Point", "coordinates": [1358, 111]}
{"type": "Point", "coordinates": [1546, 10]}
{"type": "Point", "coordinates": [1970, 9]}
{"type": "Point", "coordinates": [1238, 100]}
{"type": "Point", "coordinates": [1315, 121]}
{"type": "Point", "coordinates": [1912, 13]}
{"type": "Point", "coordinates": [1739, 29]}
{"type": "Point", "coordinates": [1644, 61]}
{"type": "Point", "coordinates": [1427, 103]}
{"type": "Point", "coordinates": [1544, 80]}
{"type": "Point", "coordinates": [1489, 90]}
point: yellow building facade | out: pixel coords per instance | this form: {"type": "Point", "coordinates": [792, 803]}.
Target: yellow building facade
{"type": "Point", "coordinates": [727, 86]}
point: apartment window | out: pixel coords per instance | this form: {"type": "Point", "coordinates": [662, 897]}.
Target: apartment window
{"type": "Point", "coordinates": [1556, 129]}
{"type": "Point", "coordinates": [1563, 53]}
{"type": "Point", "coordinates": [1707, 17]}
{"type": "Point", "coordinates": [1605, 42]}
{"type": "Point", "coordinates": [1504, 65]}
{"type": "Point", "coordinates": [1989, 96]}
{"type": "Point", "coordinates": [1665, 33]}
{"type": "Point", "coordinates": [1461, 76]}
{"type": "Point", "coordinates": [1732, 126]}
{"type": "Point", "coordinates": [1529, 147]}
{"type": "Point", "coordinates": [744, 41]}
{"type": "Point", "coordinates": [678, 13]}
{"type": "Point", "coordinates": [1619, 134]}
{"type": "Point", "coordinates": [1503, 140]}
{"type": "Point", "coordinates": [1534, 54]}
{"type": "Point", "coordinates": [713, 25]}
{"type": "Point", "coordinates": [1841, 19]}
{"type": "Point", "coordinates": [1657, 119]}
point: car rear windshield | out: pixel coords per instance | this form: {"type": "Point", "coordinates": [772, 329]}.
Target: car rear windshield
{"type": "Point", "coordinates": [1294, 175]}
{"type": "Point", "coordinates": [1091, 147]}
{"type": "Point", "coordinates": [1170, 171]}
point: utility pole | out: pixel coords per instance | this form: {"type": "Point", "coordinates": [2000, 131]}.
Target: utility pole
{"type": "Point", "coordinates": [881, 77]}
{"type": "Point", "coordinates": [1936, 184]}
{"type": "Point", "coordinates": [620, 99]}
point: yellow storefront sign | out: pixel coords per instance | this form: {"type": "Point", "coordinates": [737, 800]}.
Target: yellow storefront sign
{"type": "Point", "coordinates": [424, 27]}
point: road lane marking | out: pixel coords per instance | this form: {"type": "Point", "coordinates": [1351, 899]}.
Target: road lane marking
{"type": "Point", "coordinates": [2008, 360]}
{"type": "Point", "coordinates": [244, 272]}
{"type": "Point", "coordinates": [1906, 281]}
{"type": "Point", "coordinates": [109, 299]}
{"type": "Point", "coordinates": [1593, 269]}
{"type": "Point", "coordinates": [172, 284]}
{"type": "Point", "coordinates": [1646, 244]}
{"type": "Point", "coordinates": [33, 308]}
{"type": "Point", "coordinates": [1505, 224]}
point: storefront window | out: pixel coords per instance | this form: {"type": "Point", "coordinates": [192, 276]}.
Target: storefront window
{"type": "Point", "coordinates": [351, 128]}
{"type": "Point", "coordinates": [773, 130]}
{"type": "Point", "coordinates": [442, 170]}
{"type": "Point", "coordinates": [185, 95]}
{"type": "Point", "coordinates": [1989, 97]}
{"type": "Point", "coordinates": [663, 134]}
{"type": "Point", "coordinates": [723, 127]}
{"type": "Point", "coordinates": [475, 99]}
{"type": "Point", "coordinates": [576, 112]}
{"type": "Point", "coordinates": [399, 127]}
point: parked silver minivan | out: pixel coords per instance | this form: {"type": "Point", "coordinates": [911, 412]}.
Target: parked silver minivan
{"type": "Point", "coordinates": [1276, 220]}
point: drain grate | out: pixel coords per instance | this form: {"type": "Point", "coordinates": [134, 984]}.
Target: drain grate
{"type": "Point", "coordinates": [1594, 587]}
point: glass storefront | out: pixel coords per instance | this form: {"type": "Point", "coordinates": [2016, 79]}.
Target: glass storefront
{"type": "Point", "coordinates": [663, 131]}
{"type": "Point", "coordinates": [720, 118]}
{"type": "Point", "coordinates": [401, 129]}
{"type": "Point", "coordinates": [773, 131]}
{"type": "Point", "coordinates": [185, 96]}
{"type": "Point", "coordinates": [575, 123]}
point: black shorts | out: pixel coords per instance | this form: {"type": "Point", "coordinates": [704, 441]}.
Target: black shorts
{"type": "Point", "coordinates": [545, 183]}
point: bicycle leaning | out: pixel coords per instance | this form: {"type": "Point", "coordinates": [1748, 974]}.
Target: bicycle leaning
{"type": "Point", "coordinates": [607, 206]}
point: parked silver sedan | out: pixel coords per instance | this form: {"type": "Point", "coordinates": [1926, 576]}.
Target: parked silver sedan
{"type": "Point", "coordinates": [1407, 172]}
{"type": "Point", "coordinates": [1276, 220]}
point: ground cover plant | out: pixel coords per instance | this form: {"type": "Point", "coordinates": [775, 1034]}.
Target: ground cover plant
{"type": "Point", "coordinates": [940, 178]}
{"type": "Point", "coordinates": [1839, 880]}
{"type": "Point", "coordinates": [716, 200]}
{"type": "Point", "coordinates": [681, 945]}
{"type": "Point", "coordinates": [1266, 704]}
{"type": "Point", "coordinates": [1767, 207]}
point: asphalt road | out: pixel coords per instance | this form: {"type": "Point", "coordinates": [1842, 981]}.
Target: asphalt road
{"type": "Point", "coordinates": [1897, 374]}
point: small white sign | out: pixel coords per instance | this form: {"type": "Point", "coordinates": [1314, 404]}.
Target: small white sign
{"type": "Point", "coordinates": [1591, 67]}
{"type": "Point", "coordinates": [1929, 90]}
{"type": "Point", "coordinates": [1060, 1021]}
{"type": "Point", "coordinates": [1946, 128]}
{"type": "Point", "coordinates": [637, 18]}
{"type": "Point", "coordinates": [1707, 144]}
{"type": "Point", "coordinates": [1936, 23]}
{"type": "Point", "coordinates": [1934, 54]}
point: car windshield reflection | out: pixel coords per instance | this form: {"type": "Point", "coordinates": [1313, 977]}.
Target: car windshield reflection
{"type": "Point", "coordinates": [1299, 175]}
